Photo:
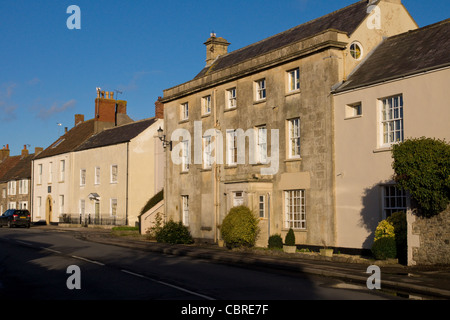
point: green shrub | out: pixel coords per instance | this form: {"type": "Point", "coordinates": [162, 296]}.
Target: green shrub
{"type": "Point", "coordinates": [384, 229]}
{"type": "Point", "coordinates": [289, 240]}
{"type": "Point", "coordinates": [422, 167]}
{"type": "Point", "coordinates": [240, 228]}
{"type": "Point", "coordinates": [384, 248]}
{"type": "Point", "coordinates": [398, 221]}
{"type": "Point", "coordinates": [275, 242]}
{"type": "Point", "coordinates": [174, 233]}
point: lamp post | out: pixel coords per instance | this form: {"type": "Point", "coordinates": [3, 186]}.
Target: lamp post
{"type": "Point", "coordinates": [162, 137]}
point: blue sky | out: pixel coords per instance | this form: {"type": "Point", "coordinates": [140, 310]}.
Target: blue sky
{"type": "Point", "coordinates": [48, 73]}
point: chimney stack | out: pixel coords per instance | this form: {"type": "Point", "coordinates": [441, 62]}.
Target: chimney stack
{"type": "Point", "coordinates": [108, 112]}
{"type": "Point", "coordinates": [79, 118]}
{"type": "Point", "coordinates": [215, 47]}
{"type": "Point", "coordinates": [159, 109]}
{"type": "Point", "coordinates": [4, 153]}
{"type": "Point", "coordinates": [38, 150]}
{"type": "Point", "coordinates": [24, 151]}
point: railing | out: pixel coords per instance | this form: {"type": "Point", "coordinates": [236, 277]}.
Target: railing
{"type": "Point", "coordinates": [91, 219]}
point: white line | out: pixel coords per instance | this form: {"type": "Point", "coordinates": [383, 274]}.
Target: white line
{"type": "Point", "coordinates": [51, 250]}
{"type": "Point", "coordinates": [169, 285]}
{"type": "Point", "coordinates": [23, 242]}
{"type": "Point", "coordinates": [87, 260]}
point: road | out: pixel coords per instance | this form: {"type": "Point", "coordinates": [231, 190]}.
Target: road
{"type": "Point", "coordinates": [34, 263]}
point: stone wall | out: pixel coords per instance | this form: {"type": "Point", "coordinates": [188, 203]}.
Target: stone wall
{"type": "Point", "coordinates": [434, 239]}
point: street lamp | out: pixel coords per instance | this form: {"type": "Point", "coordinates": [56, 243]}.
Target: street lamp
{"type": "Point", "coordinates": [162, 137]}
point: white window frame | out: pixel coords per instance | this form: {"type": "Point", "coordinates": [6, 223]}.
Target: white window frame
{"type": "Point", "coordinates": [207, 152]}
{"type": "Point", "coordinates": [391, 120]}
{"type": "Point", "coordinates": [353, 51]}
{"type": "Point", "coordinates": [82, 177]}
{"type": "Point", "coordinates": [23, 186]}
{"type": "Point", "coordinates": [185, 210]}
{"type": "Point", "coordinates": [38, 205]}
{"type": "Point", "coordinates": [50, 172]}
{"type": "Point", "coordinates": [12, 188]}
{"type": "Point", "coordinates": [262, 206]}
{"type": "Point", "coordinates": [294, 80]}
{"type": "Point", "coordinates": [294, 209]}
{"type": "Point", "coordinates": [62, 170]}
{"type": "Point", "coordinates": [206, 104]}
{"type": "Point", "coordinates": [82, 207]}
{"type": "Point", "coordinates": [231, 147]}
{"type": "Point", "coordinates": [61, 204]}
{"type": "Point", "coordinates": [12, 205]}
{"type": "Point", "coordinates": [4, 193]}
{"type": "Point", "coordinates": [184, 111]}
{"type": "Point", "coordinates": [231, 98]}
{"type": "Point", "coordinates": [97, 175]}
{"type": "Point", "coordinates": [261, 144]}
{"type": "Point", "coordinates": [353, 110]}
{"type": "Point", "coordinates": [113, 204]}
{"type": "Point", "coordinates": [39, 179]}
{"type": "Point", "coordinates": [238, 198]}
{"type": "Point", "coordinates": [114, 175]}
{"type": "Point", "coordinates": [394, 199]}
{"type": "Point", "coordinates": [261, 87]}
{"type": "Point", "coordinates": [185, 156]}
{"type": "Point", "coordinates": [294, 143]}
{"type": "Point", "coordinates": [23, 205]}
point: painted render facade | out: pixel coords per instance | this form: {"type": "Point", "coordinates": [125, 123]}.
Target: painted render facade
{"type": "Point", "coordinates": [282, 85]}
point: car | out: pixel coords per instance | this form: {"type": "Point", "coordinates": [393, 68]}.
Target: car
{"type": "Point", "coordinates": [15, 217]}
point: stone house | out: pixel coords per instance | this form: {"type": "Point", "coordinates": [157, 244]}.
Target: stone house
{"type": "Point", "coordinates": [15, 181]}
{"type": "Point", "coordinates": [256, 125]}
{"type": "Point", "coordinates": [399, 92]}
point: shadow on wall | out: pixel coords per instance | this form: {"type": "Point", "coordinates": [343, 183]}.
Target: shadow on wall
{"type": "Point", "coordinates": [371, 213]}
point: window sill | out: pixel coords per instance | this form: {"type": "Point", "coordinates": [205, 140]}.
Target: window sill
{"type": "Point", "coordinates": [382, 149]}
{"type": "Point", "coordinates": [259, 101]}
{"type": "Point", "coordinates": [183, 121]}
{"type": "Point", "coordinates": [206, 115]}
{"type": "Point", "coordinates": [292, 93]}
{"type": "Point", "coordinates": [230, 109]}
{"type": "Point", "coordinates": [184, 172]}
{"type": "Point", "coordinates": [293, 159]}
{"type": "Point", "coordinates": [353, 117]}
{"type": "Point", "coordinates": [231, 166]}
{"type": "Point", "coordinates": [206, 170]}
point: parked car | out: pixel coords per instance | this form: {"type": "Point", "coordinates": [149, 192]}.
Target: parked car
{"type": "Point", "coordinates": [15, 217]}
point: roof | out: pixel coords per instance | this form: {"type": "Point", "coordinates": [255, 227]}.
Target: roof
{"type": "Point", "coordinates": [116, 135]}
{"type": "Point", "coordinates": [346, 20]}
{"type": "Point", "coordinates": [7, 165]}
{"type": "Point", "coordinates": [405, 54]}
{"type": "Point", "coordinates": [19, 168]}
{"type": "Point", "coordinates": [69, 141]}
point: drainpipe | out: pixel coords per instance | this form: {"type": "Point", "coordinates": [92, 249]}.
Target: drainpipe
{"type": "Point", "coordinates": [126, 208]}
{"type": "Point", "coordinates": [216, 175]}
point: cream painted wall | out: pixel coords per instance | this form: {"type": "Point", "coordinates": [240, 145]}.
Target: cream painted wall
{"type": "Point", "coordinates": [362, 164]}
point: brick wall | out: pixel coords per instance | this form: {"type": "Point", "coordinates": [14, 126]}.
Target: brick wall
{"type": "Point", "coordinates": [434, 239]}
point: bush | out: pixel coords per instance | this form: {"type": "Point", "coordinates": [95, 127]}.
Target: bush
{"type": "Point", "coordinates": [240, 228]}
{"type": "Point", "coordinates": [275, 242]}
{"type": "Point", "coordinates": [398, 221]}
{"type": "Point", "coordinates": [384, 229]}
{"type": "Point", "coordinates": [289, 240]}
{"type": "Point", "coordinates": [384, 248]}
{"type": "Point", "coordinates": [422, 167]}
{"type": "Point", "coordinates": [174, 233]}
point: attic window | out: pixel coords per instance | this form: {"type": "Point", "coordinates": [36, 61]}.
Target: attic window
{"type": "Point", "coordinates": [356, 50]}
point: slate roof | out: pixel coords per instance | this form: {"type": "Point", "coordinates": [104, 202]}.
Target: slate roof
{"type": "Point", "coordinates": [69, 141]}
{"type": "Point", "coordinates": [18, 168]}
{"type": "Point", "coordinates": [404, 54]}
{"type": "Point", "coordinates": [116, 135]}
{"type": "Point", "coordinates": [346, 20]}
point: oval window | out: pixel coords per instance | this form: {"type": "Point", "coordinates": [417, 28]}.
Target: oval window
{"type": "Point", "coordinates": [356, 50]}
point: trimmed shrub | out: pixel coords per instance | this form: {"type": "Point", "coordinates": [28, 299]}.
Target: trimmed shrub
{"type": "Point", "coordinates": [240, 228]}
{"type": "Point", "coordinates": [384, 229]}
{"type": "Point", "coordinates": [398, 221]}
{"type": "Point", "coordinates": [422, 167]}
{"type": "Point", "coordinates": [289, 240]}
{"type": "Point", "coordinates": [275, 242]}
{"type": "Point", "coordinates": [384, 248]}
{"type": "Point", "coordinates": [174, 233]}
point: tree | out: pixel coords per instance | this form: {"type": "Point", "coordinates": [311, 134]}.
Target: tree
{"type": "Point", "coordinates": [422, 167]}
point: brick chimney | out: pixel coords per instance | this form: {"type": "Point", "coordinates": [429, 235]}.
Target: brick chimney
{"type": "Point", "coordinates": [25, 151]}
{"type": "Point", "coordinates": [38, 150]}
{"type": "Point", "coordinates": [79, 118]}
{"type": "Point", "coordinates": [108, 110]}
{"type": "Point", "coordinates": [215, 47]}
{"type": "Point", "coordinates": [159, 109]}
{"type": "Point", "coordinates": [4, 153]}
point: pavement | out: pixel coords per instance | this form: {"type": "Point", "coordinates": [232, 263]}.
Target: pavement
{"type": "Point", "coordinates": [413, 282]}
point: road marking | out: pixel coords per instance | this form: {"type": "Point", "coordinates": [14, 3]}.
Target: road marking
{"type": "Point", "coordinates": [168, 285]}
{"type": "Point", "coordinates": [23, 242]}
{"type": "Point", "coordinates": [51, 250]}
{"type": "Point", "coordinates": [87, 260]}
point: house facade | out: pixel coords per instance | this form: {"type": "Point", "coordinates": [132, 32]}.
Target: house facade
{"type": "Point", "coordinates": [115, 173]}
{"type": "Point", "coordinates": [53, 169]}
{"type": "Point", "coordinates": [256, 126]}
{"type": "Point", "coordinates": [399, 92]}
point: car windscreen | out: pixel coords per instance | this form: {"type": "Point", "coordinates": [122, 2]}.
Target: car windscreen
{"type": "Point", "coordinates": [22, 212]}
